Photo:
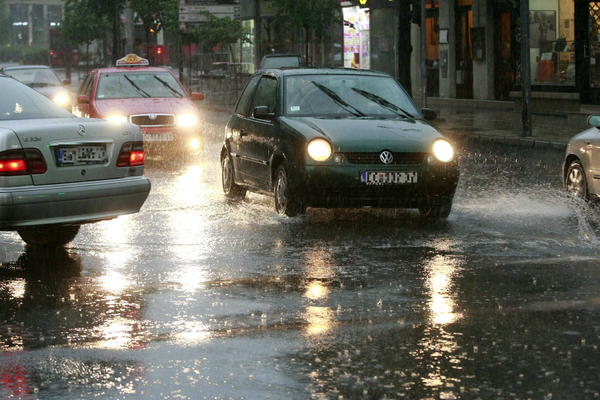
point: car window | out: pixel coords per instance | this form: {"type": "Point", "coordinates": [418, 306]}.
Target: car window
{"type": "Point", "coordinates": [266, 93]}
{"type": "Point", "coordinates": [21, 102]}
{"type": "Point", "coordinates": [123, 85]}
{"type": "Point", "coordinates": [35, 77]}
{"type": "Point", "coordinates": [280, 62]}
{"type": "Point", "coordinates": [244, 102]}
{"type": "Point", "coordinates": [84, 86]}
{"type": "Point", "coordinates": [346, 95]}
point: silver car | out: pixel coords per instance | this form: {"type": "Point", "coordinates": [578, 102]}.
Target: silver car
{"type": "Point", "coordinates": [581, 169]}
{"type": "Point", "coordinates": [58, 171]}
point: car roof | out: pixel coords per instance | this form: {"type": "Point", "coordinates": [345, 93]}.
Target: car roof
{"type": "Point", "coordinates": [112, 70]}
{"type": "Point", "coordinates": [291, 71]}
{"type": "Point", "coordinates": [14, 67]}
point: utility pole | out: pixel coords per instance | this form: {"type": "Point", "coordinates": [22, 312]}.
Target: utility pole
{"type": "Point", "coordinates": [525, 70]}
{"type": "Point", "coordinates": [423, 57]}
{"type": "Point", "coordinates": [129, 28]}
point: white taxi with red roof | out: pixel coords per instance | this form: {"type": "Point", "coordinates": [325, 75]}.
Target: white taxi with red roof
{"type": "Point", "coordinates": [150, 97]}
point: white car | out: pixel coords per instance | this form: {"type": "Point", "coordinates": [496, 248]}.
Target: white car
{"type": "Point", "coordinates": [58, 171]}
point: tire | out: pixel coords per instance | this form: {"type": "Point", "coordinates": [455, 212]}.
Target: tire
{"type": "Point", "coordinates": [48, 235]}
{"type": "Point", "coordinates": [286, 203]}
{"type": "Point", "coordinates": [438, 210]}
{"type": "Point", "coordinates": [230, 188]}
{"type": "Point", "coordinates": [576, 182]}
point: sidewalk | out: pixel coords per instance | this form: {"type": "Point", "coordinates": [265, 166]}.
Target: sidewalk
{"type": "Point", "coordinates": [499, 122]}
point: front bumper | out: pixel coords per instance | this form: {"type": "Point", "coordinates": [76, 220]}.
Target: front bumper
{"type": "Point", "coordinates": [340, 186]}
{"type": "Point", "coordinates": [72, 203]}
{"type": "Point", "coordinates": [171, 138]}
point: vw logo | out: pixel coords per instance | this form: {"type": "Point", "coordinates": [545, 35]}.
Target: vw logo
{"type": "Point", "coordinates": [386, 157]}
{"type": "Point", "coordinates": [81, 130]}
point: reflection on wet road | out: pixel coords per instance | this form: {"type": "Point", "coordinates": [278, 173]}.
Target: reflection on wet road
{"type": "Point", "coordinates": [195, 297]}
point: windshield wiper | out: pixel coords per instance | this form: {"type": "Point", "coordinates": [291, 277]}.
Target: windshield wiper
{"type": "Point", "coordinates": [384, 103]}
{"type": "Point", "coordinates": [165, 84]}
{"type": "Point", "coordinates": [335, 97]}
{"type": "Point", "coordinates": [139, 89]}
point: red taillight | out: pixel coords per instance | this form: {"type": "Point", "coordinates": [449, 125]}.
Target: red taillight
{"type": "Point", "coordinates": [131, 155]}
{"type": "Point", "coordinates": [21, 162]}
{"type": "Point", "coordinates": [12, 166]}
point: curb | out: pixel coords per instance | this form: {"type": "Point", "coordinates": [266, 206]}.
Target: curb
{"type": "Point", "coordinates": [513, 141]}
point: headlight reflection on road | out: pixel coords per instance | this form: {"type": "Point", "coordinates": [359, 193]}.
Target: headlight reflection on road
{"type": "Point", "coordinates": [441, 304]}
{"type": "Point", "coordinates": [117, 334]}
{"type": "Point", "coordinates": [192, 332]}
{"type": "Point", "coordinates": [316, 290]}
{"type": "Point", "coordinates": [320, 320]}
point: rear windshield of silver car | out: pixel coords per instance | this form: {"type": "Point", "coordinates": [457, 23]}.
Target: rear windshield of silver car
{"type": "Point", "coordinates": [126, 85]}
{"type": "Point", "coordinates": [346, 95]}
{"type": "Point", "coordinates": [280, 62]}
{"type": "Point", "coordinates": [21, 102]}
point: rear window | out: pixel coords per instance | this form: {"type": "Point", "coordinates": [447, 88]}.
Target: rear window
{"type": "Point", "coordinates": [281, 62]}
{"type": "Point", "coordinates": [35, 77]}
{"type": "Point", "coordinates": [21, 102]}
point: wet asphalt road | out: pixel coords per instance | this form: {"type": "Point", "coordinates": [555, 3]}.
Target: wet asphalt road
{"type": "Point", "coordinates": [198, 298]}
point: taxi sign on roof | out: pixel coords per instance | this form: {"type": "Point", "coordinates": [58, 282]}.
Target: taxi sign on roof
{"type": "Point", "coordinates": [132, 60]}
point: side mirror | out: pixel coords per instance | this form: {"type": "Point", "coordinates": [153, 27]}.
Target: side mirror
{"type": "Point", "coordinates": [82, 99]}
{"type": "Point", "coordinates": [197, 96]}
{"type": "Point", "coordinates": [594, 120]}
{"type": "Point", "coordinates": [262, 112]}
{"type": "Point", "coordinates": [429, 114]}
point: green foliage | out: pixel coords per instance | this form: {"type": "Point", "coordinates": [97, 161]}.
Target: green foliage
{"type": "Point", "coordinates": [312, 15]}
{"type": "Point", "coordinates": [81, 23]}
{"type": "Point", "coordinates": [220, 31]}
{"type": "Point", "coordinates": [4, 24]}
{"type": "Point", "coordinates": [158, 14]}
{"type": "Point", "coordinates": [24, 54]}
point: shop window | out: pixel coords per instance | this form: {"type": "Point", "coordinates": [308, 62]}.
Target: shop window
{"type": "Point", "coordinates": [552, 42]}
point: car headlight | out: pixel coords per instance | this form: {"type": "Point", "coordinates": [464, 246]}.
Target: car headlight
{"type": "Point", "coordinates": [116, 119]}
{"type": "Point", "coordinates": [187, 120]}
{"type": "Point", "coordinates": [443, 151]}
{"type": "Point", "coordinates": [319, 149]}
{"type": "Point", "coordinates": [62, 99]}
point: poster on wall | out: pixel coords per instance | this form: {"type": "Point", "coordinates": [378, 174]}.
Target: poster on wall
{"type": "Point", "coordinates": [356, 38]}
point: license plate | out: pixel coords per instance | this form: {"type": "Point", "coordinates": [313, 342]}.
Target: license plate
{"type": "Point", "coordinates": [388, 177]}
{"type": "Point", "coordinates": [158, 137]}
{"type": "Point", "coordinates": [81, 154]}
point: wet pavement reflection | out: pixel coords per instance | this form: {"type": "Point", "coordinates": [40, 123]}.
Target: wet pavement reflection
{"type": "Point", "coordinates": [196, 297]}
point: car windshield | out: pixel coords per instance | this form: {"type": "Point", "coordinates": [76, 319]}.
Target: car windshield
{"type": "Point", "coordinates": [132, 84]}
{"type": "Point", "coordinates": [20, 102]}
{"type": "Point", "coordinates": [35, 77]}
{"type": "Point", "coordinates": [281, 62]}
{"type": "Point", "coordinates": [347, 95]}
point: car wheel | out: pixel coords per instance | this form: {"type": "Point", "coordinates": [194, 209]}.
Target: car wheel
{"type": "Point", "coordinates": [438, 210]}
{"type": "Point", "coordinates": [48, 235]}
{"type": "Point", "coordinates": [575, 182]}
{"type": "Point", "coordinates": [285, 202]}
{"type": "Point", "coordinates": [231, 190]}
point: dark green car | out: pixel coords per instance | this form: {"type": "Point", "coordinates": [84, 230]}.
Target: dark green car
{"type": "Point", "coordinates": [336, 138]}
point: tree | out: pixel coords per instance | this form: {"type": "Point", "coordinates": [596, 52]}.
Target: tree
{"type": "Point", "coordinates": [110, 10]}
{"type": "Point", "coordinates": [80, 25]}
{"type": "Point", "coordinates": [313, 17]}
{"type": "Point", "coordinates": [4, 24]}
{"type": "Point", "coordinates": [157, 15]}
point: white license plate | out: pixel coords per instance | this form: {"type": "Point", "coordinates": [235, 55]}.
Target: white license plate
{"type": "Point", "coordinates": [388, 177]}
{"type": "Point", "coordinates": [158, 137]}
{"type": "Point", "coordinates": [81, 154]}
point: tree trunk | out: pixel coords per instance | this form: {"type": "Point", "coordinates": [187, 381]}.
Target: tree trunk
{"type": "Point", "coordinates": [404, 47]}
{"type": "Point", "coordinates": [116, 51]}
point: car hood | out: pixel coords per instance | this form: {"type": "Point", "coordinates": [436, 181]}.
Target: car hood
{"type": "Point", "coordinates": [365, 134]}
{"type": "Point", "coordinates": [144, 106]}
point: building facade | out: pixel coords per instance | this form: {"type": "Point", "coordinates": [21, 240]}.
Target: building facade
{"type": "Point", "coordinates": [31, 21]}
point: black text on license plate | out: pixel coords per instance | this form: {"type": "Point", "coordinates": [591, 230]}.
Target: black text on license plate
{"type": "Point", "coordinates": [81, 154]}
{"type": "Point", "coordinates": [388, 177]}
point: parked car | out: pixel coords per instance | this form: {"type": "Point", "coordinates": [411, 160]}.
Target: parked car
{"type": "Point", "coordinates": [43, 79]}
{"type": "Point", "coordinates": [336, 138]}
{"type": "Point", "coordinates": [581, 167]}
{"type": "Point", "coordinates": [280, 61]}
{"type": "Point", "coordinates": [58, 171]}
{"type": "Point", "coordinates": [150, 97]}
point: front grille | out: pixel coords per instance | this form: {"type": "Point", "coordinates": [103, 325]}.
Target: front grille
{"type": "Point", "coordinates": [373, 158]}
{"type": "Point", "coordinates": [153, 119]}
